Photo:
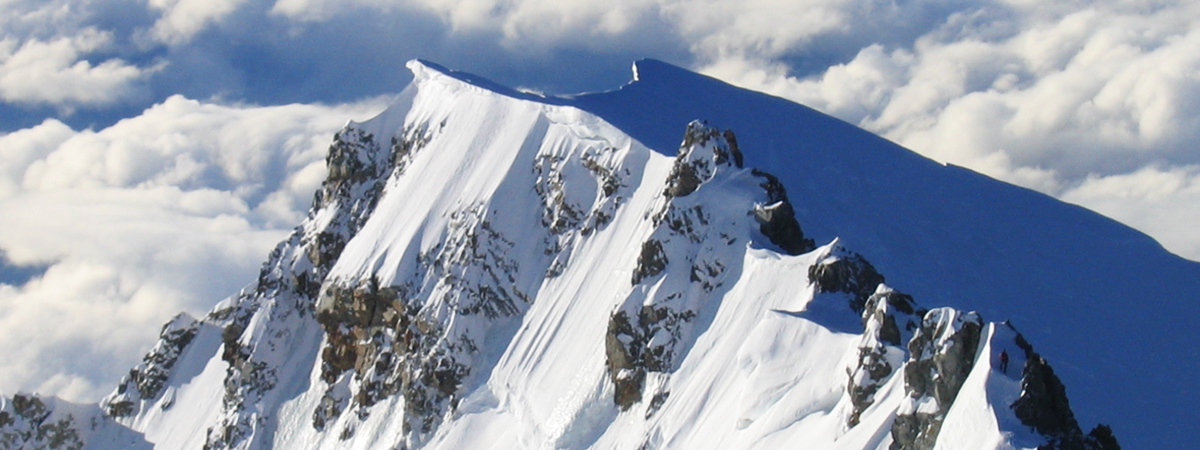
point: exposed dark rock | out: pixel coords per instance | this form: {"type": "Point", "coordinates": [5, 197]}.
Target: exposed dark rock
{"type": "Point", "coordinates": [330, 407]}
{"type": "Point", "coordinates": [28, 422]}
{"type": "Point", "coordinates": [559, 214]}
{"type": "Point", "coordinates": [682, 181]}
{"type": "Point", "coordinates": [372, 331]}
{"type": "Point", "coordinates": [846, 272]}
{"type": "Point", "coordinates": [693, 167]}
{"type": "Point", "coordinates": [146, 381]}
{"type": "Point", "coordinates": [733, 148]}
{"type": "Point", "coordinates": [873, 370]}
{"type": "Point", "coordinates": [656, 403]}
{"type": "Point", "coordinates": [624, 346]}
{"type": "Point", "coordinates": [562, 215]}
{"type": "Point", "coordinates": [1101, 438]}
{"type": "Point", "coordinates": [119, 408]}
{"type": "Point", "coordinates": [30, 407]}
{"type": "Point", "coordinates": [628, 385]}
{"type": "Point", "coordinates": [1044, 407]}
{"type": "Point", "coordinates": [686, 222]}
{"type": "Point", "coordinates": [325, 249]}
{"type": "Point", "coordinates": [1043, 404]}
{"type": "Point", "coordinates": [889, 318]}
{"type": "Point", "coordinates": [707, 274]}
{"type": "Point", "coordinates": [777, 222]}
{"type": "Point", "coordinates": [607, 179]}
{"type": "Point", "coordinates": [942, 353]}
{"type": "Point", "coordinates": [230, 335]}
{"type": "Point", "coordinates": [897, 320]}
{"type": "Point", "coordinates": [777, 218]}
{"type": "Point", "coordinates": [405, 147]}
{"type": "Point", "coordinates": [632, 352]}
{"type": "Point", "coordinates": [651, 261]}
{"type": "Point", "coordinates": [379, 337]}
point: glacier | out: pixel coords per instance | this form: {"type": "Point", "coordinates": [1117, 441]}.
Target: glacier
{"type": "Point", "coordinates": [678, 263]}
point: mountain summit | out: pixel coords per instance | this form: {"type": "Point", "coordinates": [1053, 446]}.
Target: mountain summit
{"type": "Point", "coordinates": [678, 263]}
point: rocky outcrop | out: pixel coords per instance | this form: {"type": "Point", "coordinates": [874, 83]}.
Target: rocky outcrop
{"type": "Point", "coordinates": [846, 272]}
{"type": "Point", "coordinates": [777, 217]}
{"type": "Point", "coordinates": [648, 335]}
{"type": "Point", "coordinates": [1043, 404]}
{"type": "Point", "coordinates": [1101, 438]}
{"type": "Point", "coordinates": [889, 319]}
{"type": "Point", "coordinates": [651, 261]}
{"type": "Point", "coordinates": [294, 275]}
{"type": "Point", "coordinates": [638, 345]}
{"type": "Point", "coordinates": [32, 422]}
{"type": "Point", "coordinates": [380, 340]}
{"type": "Point", "coordinates": [378, 346]}
{"type": "Point", "coordinates": [1044, 407]}
{"type": "Point", "coordinates": [587, 205]}
{"type": "Point", "coordinates": [694, 167]}
{"type": "Point", "coordinates": [28, 422]}
{"type": "Point", "coordinates": [146, 381]}
{"type": "Point", "coordinates": [942, 355]}
{"type": "Point", "coordinates": [560, 213]}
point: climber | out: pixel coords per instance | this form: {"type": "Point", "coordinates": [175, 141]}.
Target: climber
{"type": "Point", "coordinates": [1004, 361]}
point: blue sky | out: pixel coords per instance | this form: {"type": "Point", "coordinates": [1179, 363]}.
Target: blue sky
{"type": "Point", "coordinates": [153, 151]}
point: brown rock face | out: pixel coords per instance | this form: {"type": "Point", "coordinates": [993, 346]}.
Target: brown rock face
{"type": "Point", "coordinates": [630, 353]}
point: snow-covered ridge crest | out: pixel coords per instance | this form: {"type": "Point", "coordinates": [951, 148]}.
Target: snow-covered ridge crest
{"type": "Point", "coordinates": [485, 268]}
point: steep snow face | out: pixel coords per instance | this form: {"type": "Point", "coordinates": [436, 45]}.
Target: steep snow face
{"type": "Point", "coordinates": [489, 269]}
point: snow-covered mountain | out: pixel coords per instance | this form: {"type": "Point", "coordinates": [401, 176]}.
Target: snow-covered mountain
{"type": "Point", "coordinates": [675, 264]}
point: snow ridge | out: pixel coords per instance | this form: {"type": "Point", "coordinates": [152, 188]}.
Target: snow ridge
{"type": "Point", "coordinates": [485, 268]}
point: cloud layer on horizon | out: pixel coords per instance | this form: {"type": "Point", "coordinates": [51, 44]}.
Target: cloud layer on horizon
{"type": "Point", "coordinates": [168, 211]}
{"type": "Point", "coordinates": [140, 201]}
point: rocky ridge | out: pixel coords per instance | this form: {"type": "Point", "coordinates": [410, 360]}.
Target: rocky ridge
{"type": "Point", "coordinates": [414, 341]}
{"type": "Point", "coordinates": [32, 422]}
{"type": "Point", "coordinates": [648, 332]}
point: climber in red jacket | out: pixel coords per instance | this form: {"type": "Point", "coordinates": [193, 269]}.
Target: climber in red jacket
{"type": "Point", "coordinates": [1004, 361]}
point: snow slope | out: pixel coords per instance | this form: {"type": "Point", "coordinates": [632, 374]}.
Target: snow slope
{"type": "Point", "coordinates": [485, 268]}
{"type": "Point", "coordinates": [1108, 306]}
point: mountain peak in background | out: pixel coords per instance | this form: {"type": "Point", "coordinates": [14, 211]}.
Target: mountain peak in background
{"type": "Point", "coordinates": [678, 263]}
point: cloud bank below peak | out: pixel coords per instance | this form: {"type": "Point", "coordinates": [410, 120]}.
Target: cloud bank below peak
{"type": "Point", "coordinates": [171, 210]}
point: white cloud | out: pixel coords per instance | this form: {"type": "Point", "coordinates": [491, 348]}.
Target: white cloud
{"type": "Point", "coordinates": [55, 72]}
{"type": "Point", "coordinates": [170, 210]}
{"type": "Point", "coordinates": [124, 262]}
{"type": "Point", "coordinates": [1048, 96]}
{"type": "Point", "coordinates": [763, 28]}
{"type": "Point", "coordinates": [1160, 202]}
{"type": "Point", "coordinates": [522, 27]}
{"type": "Point", "coordinates": [21, 148]}
{"type": "Point", "coordinates": [183, 19]}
